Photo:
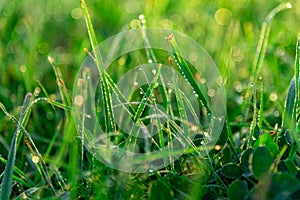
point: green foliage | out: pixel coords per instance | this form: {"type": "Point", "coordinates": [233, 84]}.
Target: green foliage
{"type": "Point", "coordinates": [238, 190]}
{"type": "Point", "coordinates": [257, 155]}
{"type": "Point", "coordinates": [232, 170]}
{"type": "Point", "coordinates": [261, 161]}
{"type": "Point", "coordinates": [8, 172]}
{"type": "Point", "coordinates": [267, 141]}
{"type": "Point", "coordinates": [159, 190]}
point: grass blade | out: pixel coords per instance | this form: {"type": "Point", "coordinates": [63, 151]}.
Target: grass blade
{"type": "Point", "coordinates": [297, 99]}
{"type": "Point", "coordinates": [297, 69]}
{"type": "Point", "coordinates": [254, 120]}
{"type": "Point", "coordinates": [147, 95]}
{"type": "Point", "coordinates": [8, 172]}
{"type": "Point", "coordinates": [149, 52]}
{"type": "Point", "coordinates": [163, 91]}
{"type": "Point", "coordinates": [181, 107]}
{"type": "Point", "coordinates": [289, 107]}
{"type": "Point", "coordinates": [107, 101]}
{"type": "Point", "coordinates": [140, 109]}
{"type": "Point", "coordinates": [261, 107]}
{"type": "Point", "coordinates": [65, 95]}
{"type": "Point", "coordinates": [35, 154]}
{"type": "Point", "coordinates": [187, 72]}
{"type": "Point", "coordinates": [261, 51]}
{"type": "Point", "coordinates": [264, 37]}
{"type": "Point", "coordinates": [292, 100]}
{"type": "Point", "coordinates": [22, 177]}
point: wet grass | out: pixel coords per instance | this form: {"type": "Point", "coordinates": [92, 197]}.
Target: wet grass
{"type": "Point", "coordinates": [43, 154]}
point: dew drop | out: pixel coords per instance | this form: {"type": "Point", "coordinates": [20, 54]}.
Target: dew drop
{"type": "Point", "coordinates": [276, 113]}
{"type": "Point", "coordinates": [194, 128]}
{"type": "Point", "coordinates": [79, 100]}
{"type": "Point", "coordinates": [142, 19]}
{"type": "Point", "coordinates": [141, 16]}
{"type": "Point", "coordinates": [203, 80]}
{"type": "Point", "coordinates": [273, 97]}
{"type": "Point", "coordinates": [289, 5]}
{"type": "Point", "coordinates": [35, 159]}
{"type": "Point", "coordinates": [80, 82]}
{"type": "Point", "coordinates": [217, 147]}
{"type": "Point", "coordinates": [211, 92]}
{"type": "Point", "coordinates": [23, 68]}
{"type": "Point", "coordinates": [37, 91]}
{"type": "Point", "coordinates": [220, 81]}
{"type": "Point", "coordinates": [238, 86]}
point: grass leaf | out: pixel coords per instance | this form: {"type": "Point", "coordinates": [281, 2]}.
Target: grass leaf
{"type": "Point", "coordinates": [202, 95]}
{"type": "Point", "coordinates": [261, 51]}
{"type": "Point", "coordinates": [261, 161]}
{"type": "Point", "coordinates": [105, 91]}
{"type": "Point", "coordinates": [8, 172]}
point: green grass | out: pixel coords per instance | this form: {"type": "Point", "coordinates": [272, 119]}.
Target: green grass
{"type": "Point", "coordinates": [42, 155]}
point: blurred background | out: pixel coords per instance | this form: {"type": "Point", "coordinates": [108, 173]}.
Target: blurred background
{"type": "Point", "coordinates": [229, 30]}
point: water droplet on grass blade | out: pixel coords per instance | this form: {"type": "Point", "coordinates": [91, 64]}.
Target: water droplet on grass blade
{"type": "Point", "coordinates": [37, 91]}
{"type": "Point", "coordinates": [143, 21]}
{"type": "Point", "coordinates": [273, 97]}
{"type": "Point", "coordinates": [35, 159]}
{"type": "Point", "coordinates": [79, 100]}
{"type": "Point", "coordinates": [217, 147]}
{"type": "Point", "coordinates": [289, 5]}
{"type": "Point", "coordinates": [23, 68]}
{"type": "Point", "coordinates": [220, 81]}
{"type": "Point", "coordinates": [141, 17]}
{"type": "Point", "coordinates": [203, 80]}
{"type": "Point", "coordinates": [211, 92]}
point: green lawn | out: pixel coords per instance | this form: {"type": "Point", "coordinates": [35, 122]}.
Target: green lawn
{"type": "Point", "coordinates": [47, 151]}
